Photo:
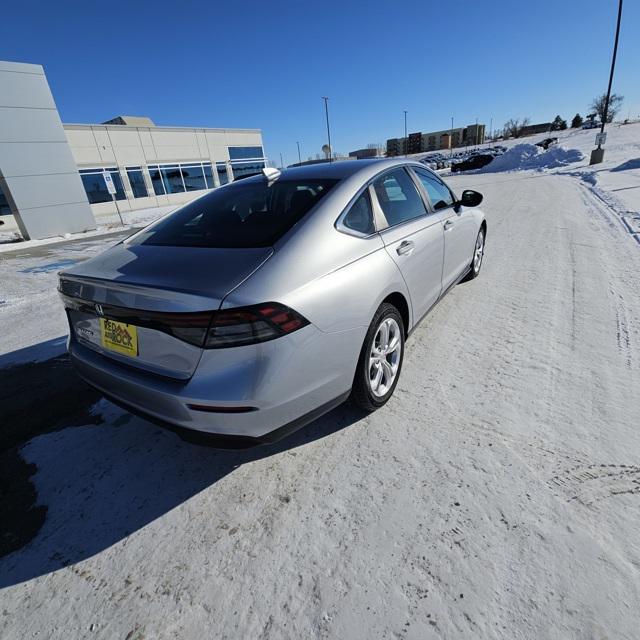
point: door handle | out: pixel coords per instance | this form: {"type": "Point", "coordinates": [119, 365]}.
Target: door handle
{"type": "Point", "coordinates": [448, 224]}
{"type": "Point", "coordinates": [405, 248]}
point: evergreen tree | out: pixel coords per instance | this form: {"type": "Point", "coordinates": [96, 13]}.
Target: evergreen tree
{"type": "Point", "coordinates": [558, 124]}
{"type": "Point", "coordinates": [577, 121]}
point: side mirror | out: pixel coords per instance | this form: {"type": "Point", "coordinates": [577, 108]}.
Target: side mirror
{"type": "Point", "coordinates": [470, 198]}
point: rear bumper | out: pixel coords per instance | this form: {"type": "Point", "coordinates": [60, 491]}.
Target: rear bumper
{"type": "Point", "coordinates": [227, 441]}
{"type": "Point", "coordinates": [289, 382]}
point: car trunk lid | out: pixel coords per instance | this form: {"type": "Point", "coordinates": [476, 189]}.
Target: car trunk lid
{"type": "Point", "coordinates": [149, 289]}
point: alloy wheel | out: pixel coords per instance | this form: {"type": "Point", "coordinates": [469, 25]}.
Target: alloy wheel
{"type": "Point", "coordinates": [384, 358]}
{"type": "Point", "coordinates": [478, 252]}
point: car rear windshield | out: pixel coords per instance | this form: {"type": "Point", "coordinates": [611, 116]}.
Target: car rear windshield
{"type": "Point", "coordinates": [250, 213]}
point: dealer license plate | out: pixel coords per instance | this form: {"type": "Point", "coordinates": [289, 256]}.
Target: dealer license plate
{"type": "Point", "coordinates": [119, 337]}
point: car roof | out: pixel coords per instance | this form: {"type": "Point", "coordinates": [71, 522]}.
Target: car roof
{"type": "Point", "coordinates": [344, 168]}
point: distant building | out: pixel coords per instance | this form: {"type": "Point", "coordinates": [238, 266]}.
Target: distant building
{"type": "Point", "coordinates": [414, 143]}
{"type": "Point", "coordinates": [441, 139]}
{"type": "Point", "coordinates": [532, 129]}
{"type": "Point", "coordinates": [473, 134]}
{"type": "Point", "coordinates": [369, 152]}
{"type": "Point", "coordinates": [446, 139]}
{"type": "Point", "coordinates": [396, 146]}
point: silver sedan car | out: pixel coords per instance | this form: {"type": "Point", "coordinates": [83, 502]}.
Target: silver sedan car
{"type": "Point", "coordinates": [265, 303]}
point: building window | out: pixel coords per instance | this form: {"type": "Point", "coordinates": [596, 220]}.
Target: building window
{"type": "Point", "coordinates": [5, 209]}
{"type": "Point", "coordinates": [208, 174]}
{"type": "Point", "coordinates": [193, 177]}
{"type": "Point", "coordinates": [223, 174]}
{"type": "Point", "coordinates": [136, 179]}
{"type": "Point", "coordinates": [156, 180]}
{"type": "Point", "coordinates": [96, 187]}
{"type": "Point", "coordinates": [245, 153]}
{"type": "Point", "coordinates": [172, 179]}
{"type": "Point", "coordinates": [244, 169]}
{"type": "Point", "coordinates": [177, 178]}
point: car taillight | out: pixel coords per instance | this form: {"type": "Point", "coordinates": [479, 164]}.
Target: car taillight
{"type": "Point", "coordinates": [205, 329]}
{"type": "Point", "coordinates": [248, 325]}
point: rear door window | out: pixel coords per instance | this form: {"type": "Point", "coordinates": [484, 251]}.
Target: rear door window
{"type": "Point", "coordinates": [249, 213]}
{"type": "Point", "coordinates": [398, 197]}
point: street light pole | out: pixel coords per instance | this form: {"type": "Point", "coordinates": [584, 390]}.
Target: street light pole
{"type": "Point", "coordinates": [281, 163]}
{"type": "Point", "coordinates": [451, 138]}
{"type": "Point", "coordinates": [406, 141]}
{"type": "Point", "coordinates": [326, 113]}
{"type": "Point", "coordinates": [299, 157]}
{"type": "Point", "coordinates": [597, 155]}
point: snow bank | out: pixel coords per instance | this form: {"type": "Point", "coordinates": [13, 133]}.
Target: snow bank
{"type": "Point", "coordinates": [528, 156]}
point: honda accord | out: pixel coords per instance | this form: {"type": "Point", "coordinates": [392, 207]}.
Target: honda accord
{"type": "Point", "coordinates": [264, 303]}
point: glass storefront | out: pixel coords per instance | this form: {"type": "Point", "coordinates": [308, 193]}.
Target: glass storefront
{"type": "Point", "coordinates": [170, 178]}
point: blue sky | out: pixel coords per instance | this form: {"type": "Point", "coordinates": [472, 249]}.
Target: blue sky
{"type": "Point", "coordinates": [267, 64]}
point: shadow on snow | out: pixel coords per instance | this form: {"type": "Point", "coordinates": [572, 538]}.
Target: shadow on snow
{"type": "Point", "coordinates": [102, 482]}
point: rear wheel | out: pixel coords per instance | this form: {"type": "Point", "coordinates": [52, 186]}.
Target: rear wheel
{"type": "Point", "coordinates": [380, 360]}
{"type": "Point", "coordinates": [478, 255]}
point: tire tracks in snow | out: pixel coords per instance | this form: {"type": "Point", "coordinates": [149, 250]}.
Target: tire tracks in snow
{"type": "Point", "coordinates": [591, 483]}
{"type": "Point", "coordinates": [607, 209]}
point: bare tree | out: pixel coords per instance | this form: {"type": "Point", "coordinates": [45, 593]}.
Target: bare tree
{"type": "Point", "coordinates": [599, 105]}
{"type": "Point", "coordinates": [513, 128]}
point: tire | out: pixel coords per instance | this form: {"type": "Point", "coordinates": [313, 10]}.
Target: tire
{"type": "Point", "coordinates": [375, 381]}
{"type": "Point", "coordinates": [476, 264]}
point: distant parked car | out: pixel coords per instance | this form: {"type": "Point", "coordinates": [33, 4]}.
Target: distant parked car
{"type": "Point", "coordinates": [590, 124]}
{"type": "Point", "coordinates": [546, 143]}
{"type": "Point", "coordinates": [475, 162]}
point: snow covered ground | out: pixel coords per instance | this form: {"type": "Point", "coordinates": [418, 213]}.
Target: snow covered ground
{"type": "Point", "coordinates": [10, 239]}
{"type": "Point", "coordinates": [30, 310]}
{"type": "Point", "coordinates": [496, 496]}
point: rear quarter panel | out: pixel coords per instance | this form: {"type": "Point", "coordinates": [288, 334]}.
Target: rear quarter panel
{"type": "Point", "coordinates": [337, 284]}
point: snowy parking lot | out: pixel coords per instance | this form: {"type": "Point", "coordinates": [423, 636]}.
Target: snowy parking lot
{"type": "Point", "coordinates": [497, 495]}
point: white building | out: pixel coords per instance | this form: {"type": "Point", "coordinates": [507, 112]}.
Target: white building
{"type": "Point", "coordinates": [154, 166]}
{"type": "Point", "coordinates": [52, 176]}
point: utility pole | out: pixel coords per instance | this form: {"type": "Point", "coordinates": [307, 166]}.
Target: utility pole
{"type": "Point", "coordinates": [406, 141]}
{"type": "Point", "coordinates": [281, 163]}
{"type": "Point", "coordinates": [451, 138]}
{"type": "Point", "coordinates": [299, 157]}
{"type": "Point", "coordinates": [326, 113]}
{"type": "Point", "coordinates": [597, 155]}
{"type": "Point", "coordinates": [491, 129]}
{"type": "Point", "coordinates": [477, 136]}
